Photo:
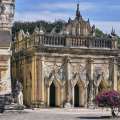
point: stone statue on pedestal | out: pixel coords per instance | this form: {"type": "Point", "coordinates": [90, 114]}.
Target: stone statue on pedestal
{"type": "Point", "coordinates": [18, 93]}
{"type": "Point", "coordinates": [20, 98]}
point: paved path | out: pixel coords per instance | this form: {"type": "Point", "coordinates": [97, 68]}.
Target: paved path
{"type": "Point", "coordinates": [57, 114]}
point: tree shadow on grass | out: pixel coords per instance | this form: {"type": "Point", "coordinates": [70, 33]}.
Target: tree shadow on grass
{"type": "Point", "coordinates": [100, 117]}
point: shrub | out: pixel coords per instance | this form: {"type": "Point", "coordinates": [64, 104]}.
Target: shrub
{"type": "Point", "coordinates": [108, 99]}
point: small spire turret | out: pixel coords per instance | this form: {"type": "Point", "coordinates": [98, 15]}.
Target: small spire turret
{"type": "Point", "coordinates": [36, 30]}
{"type": "Point", "coordinates": [113, 32]}
{"type": "Point", "coordinates": [88, 21]}
{"type": "Point", "coordinates": [69, 21]}
{"type": "Point", "coordinates": [78, 15]}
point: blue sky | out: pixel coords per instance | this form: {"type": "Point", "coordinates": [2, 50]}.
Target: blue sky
{"type": "Point", "coordinates": [105, 14]}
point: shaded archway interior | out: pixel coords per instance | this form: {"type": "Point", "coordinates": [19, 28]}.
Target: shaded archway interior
{"type": "Point", "coordinates": [76, 96]}
{"type": "Point", "coordinates": [52, 95]}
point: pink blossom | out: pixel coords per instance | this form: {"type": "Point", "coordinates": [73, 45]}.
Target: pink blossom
{"type": "Point", "coordinates": [108, 99]}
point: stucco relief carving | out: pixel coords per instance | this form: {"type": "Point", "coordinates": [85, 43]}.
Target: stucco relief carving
{"type": "Point", "coordinates": [78, 74]}
{"type": "Point", "coordinates": [101, 72]}
{"type": "Point", "coordinates": [3, 86]}
{"type": "Point", "coordinates": [6, 14]}
{"type": "Point", "coordinates": [54, 72]}
{"type": "Point", "coordinates": [79, 69]}
{"type": "Point", "coordinates": [100, 75]}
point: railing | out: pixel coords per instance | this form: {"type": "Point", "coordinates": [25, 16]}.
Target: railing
{"type": "Point", "coordinates": [101, 43]}
{"type": "Point", "coordinates": [63, 41]}
{"type": "Point", "coordinates": [51, 40]}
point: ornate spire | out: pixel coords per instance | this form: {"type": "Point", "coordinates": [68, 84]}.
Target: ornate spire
{"type": "Point", "coordinates": [113, 32]}
{"type": "Point", "coordinates": [36, 30]}
{"type": "Point", "coordinates": [88, 20]}
{"type": "Point", "coordinates": [69, 21]}
{"type": "Point", "coordinates": [78, 15]}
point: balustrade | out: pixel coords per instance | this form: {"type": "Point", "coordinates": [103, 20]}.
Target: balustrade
{"type": "Point", "coordinates": [63, 41]}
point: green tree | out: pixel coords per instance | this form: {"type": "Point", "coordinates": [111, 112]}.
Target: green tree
{"type": "Point", "coordinates": [99, 33]}
{"type": "Point", "coordinates": [119, 40]}
{"type": "Point", "coordinates": [30, 26]}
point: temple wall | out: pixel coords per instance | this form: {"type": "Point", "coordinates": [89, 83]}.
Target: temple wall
{"type": "Point", "coordinates": [66, 69]}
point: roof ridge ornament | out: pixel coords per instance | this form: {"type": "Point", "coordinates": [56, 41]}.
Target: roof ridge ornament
{"type": "Point", "coordinates": [78, 15]}
{"type": "Point", "coordinates": [113, 32]}
{"type": "Point", "coordinates": [88, 21]}
{"type": "Point", "coordinates": [69, 21]}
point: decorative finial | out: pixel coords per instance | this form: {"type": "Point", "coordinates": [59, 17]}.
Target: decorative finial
{"type": "Point", "coordinates": [78, 16]}
{"type": "Point", "coordinates": [27, 33]}
{"type": "Point", "coordinates": [93, 30]}
{"type": "Point", "coordinates": [113, 32]}
{"type": "Point", "coordinates": [36, 30]}
{"type": "Point", "coordinates": [88, 20]}
{"type": "Point", "coordinates": [42, 30]}
{"type": "Point", "coordinates": [69, 20]}
{"type": "Point", "coordinates": [78, 7]}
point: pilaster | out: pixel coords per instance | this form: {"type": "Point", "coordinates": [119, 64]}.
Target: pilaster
{"type": "Point", "coordinates": [114, 73]}
{"type": "Point", "coordinates": [33, 97]}
{"type": "Point", "coordinates": [68, 81]}
{"type": "Point", "coordinates": [91, 81]}
{"type": "Point", "coordinates": [42, 84]}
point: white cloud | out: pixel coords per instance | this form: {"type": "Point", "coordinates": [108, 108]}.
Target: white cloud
{"type": "Point", "coordinates": [44, 15]}
{"type": "Point", "coordinates": [68, 6]}
{"type": "Point", "coordinates": [115, 7]}
{"type": "Point", "coordinates": [44, 11]}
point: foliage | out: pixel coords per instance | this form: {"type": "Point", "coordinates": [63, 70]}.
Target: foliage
{"type": "Point", "coordinates": [108, 99]}
{"type": "Point", "coordinates": [119, 42]}
{"type": "Point", "coordinates": [30, 26]}
{"type": "Point", "coordinates": [99, 33]}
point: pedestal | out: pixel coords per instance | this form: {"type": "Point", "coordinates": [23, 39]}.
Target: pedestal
{"type": "Point", "coordinates": [67, 105]}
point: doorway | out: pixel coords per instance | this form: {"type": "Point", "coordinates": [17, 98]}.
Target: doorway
{"type": "Point", "coordinates": [52, 95]}
{"type": "Point", "coordinates": [76, 96]}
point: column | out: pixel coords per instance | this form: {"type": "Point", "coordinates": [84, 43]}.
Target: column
{"type": "Point", "coordinates": [68, 97]}
{"type": "Point", "coordinates": [43, 99]}
{"type": "Point", "coordinates": [41, 85]}
{"type": "Point", "coordinates": [86, 93]}
{"type": "Point", "coordinates": [90, 79]}
{"type": "Point", "coordinates": [48, 95]}
{"type": "Point", "coordinates": [72, 87]}
{"type": "Point", "coordinates": [62, 95]}
{"type": "Point", "coordinates": [73, 96]}
{"type": "Point", "coordinates": [114, 73]}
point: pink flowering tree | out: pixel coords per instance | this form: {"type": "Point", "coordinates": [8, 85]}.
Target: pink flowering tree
{"type": "Point", "coordinates": [109, 99]}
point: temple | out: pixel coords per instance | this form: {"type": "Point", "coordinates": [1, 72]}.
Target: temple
{"type": "Point", "coordinates": [66, 69]}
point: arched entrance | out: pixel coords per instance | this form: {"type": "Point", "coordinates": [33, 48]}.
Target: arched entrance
{"type": "Point", "coordinates": [52, 96]}
{"type": "Point", "coordinates": [76, 96]}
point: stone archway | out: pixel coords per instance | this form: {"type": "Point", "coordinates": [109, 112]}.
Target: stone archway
{"type": "Point", "coordinates": [27, 92]}
{"type": "Point", "coordinates": [79, 94]}
{"type": "Point", "coordinates": [103, 86]}
{"type": "Point", "coordinates": [52, 95]}
{"type": "Point", "coordinates": [76, 96]}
